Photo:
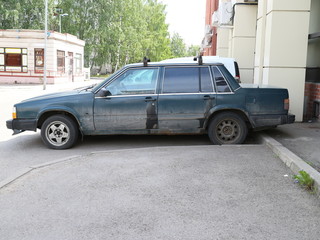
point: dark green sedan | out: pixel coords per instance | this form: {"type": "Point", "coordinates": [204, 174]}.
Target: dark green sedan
{"type": "Point", "coordinates": [155, 98]}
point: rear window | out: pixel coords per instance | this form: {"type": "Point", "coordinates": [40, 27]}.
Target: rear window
{"type": "Point", "coordinates": [232, 82]}
{"type": "Point", "coordinates": [221, 83]}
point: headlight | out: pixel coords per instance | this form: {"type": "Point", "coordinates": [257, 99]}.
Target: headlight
{"type": "Point", "coordinates": [14, 113]}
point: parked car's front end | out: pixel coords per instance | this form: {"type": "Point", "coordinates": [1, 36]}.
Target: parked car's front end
{"type": "Point", "coordinates": [31, 113]}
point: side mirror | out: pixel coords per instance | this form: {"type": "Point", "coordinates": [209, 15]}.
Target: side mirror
{"type": "Point", "coordinates": [104, 92]}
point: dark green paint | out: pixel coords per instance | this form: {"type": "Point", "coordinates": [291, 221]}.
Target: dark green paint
{"type": "Point", "coordinates": [158, 113]}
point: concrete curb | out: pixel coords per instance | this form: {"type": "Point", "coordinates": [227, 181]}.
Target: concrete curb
{"type": "Point", "coordinates": [292, 161]}
{"type": "Point", "coordinates": [27, 170]}
{"type": "Point", "coordinates": [14, 177]}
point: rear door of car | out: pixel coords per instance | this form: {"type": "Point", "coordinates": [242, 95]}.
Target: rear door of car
{"type": "Point", "coordinates": [186, 96]}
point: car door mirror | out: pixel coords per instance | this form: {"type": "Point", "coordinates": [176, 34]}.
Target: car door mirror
{"type": "Point", "coordinates": [104, 92]}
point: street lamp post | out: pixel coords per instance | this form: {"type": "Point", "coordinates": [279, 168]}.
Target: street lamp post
{"type": "Point", "coordinates": [45, 46]}
{"type": "Point", "coordinates": [61, 15]}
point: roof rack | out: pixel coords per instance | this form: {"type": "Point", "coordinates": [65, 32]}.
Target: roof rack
{"type": "Point", "coordinates": [145, 61]}
{"type": "Point", "coordinates": [200, 61]}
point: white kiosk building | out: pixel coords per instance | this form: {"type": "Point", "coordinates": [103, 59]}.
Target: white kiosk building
{"type": "Point", "coordinates": [22, 57]}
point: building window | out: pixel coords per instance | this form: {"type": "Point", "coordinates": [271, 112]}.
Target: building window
{"type": "Point", "coordinates": [39, 60]}
{"type": "Point", "coordinates": [61, 61]}
{"type": "Point", "coordinates": [13, 59]}
{"type": "Point", "coordinates": [78, 59]}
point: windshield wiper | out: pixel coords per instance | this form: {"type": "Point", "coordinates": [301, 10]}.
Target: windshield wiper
{"type": "Point", "coordinates": [86, 88]}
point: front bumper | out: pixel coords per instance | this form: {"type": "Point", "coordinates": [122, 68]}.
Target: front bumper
{"type": "Point", "coordinates": [20, 125]}
{"type": "Point", "coordinates": [272, 120]}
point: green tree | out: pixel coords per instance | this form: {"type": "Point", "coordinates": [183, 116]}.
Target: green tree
{"type": "Point", "coordinates": [193, 50]}
{"type": "Point", "coordinates": [156, 42]}
{"type": "Point", "coordinates": [26, 14]}
{"type": "Point", "coordinates": [116, 32]}
{"type": "Point", "coordinates": [178, 47]}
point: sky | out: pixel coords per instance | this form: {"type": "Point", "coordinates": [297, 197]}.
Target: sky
{"type": "Point", "coordinates": [186, 17]}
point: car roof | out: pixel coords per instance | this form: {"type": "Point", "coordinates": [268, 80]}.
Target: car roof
{"type": "Point", "coordinates": [178, 63]}
{"type": "Point", "coordinates": [205, 59]}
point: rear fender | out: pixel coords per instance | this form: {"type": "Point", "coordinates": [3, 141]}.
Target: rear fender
{"type": "Point", "coordinates": [218, 109]}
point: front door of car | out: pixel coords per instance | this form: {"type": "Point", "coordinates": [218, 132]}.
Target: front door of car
{"type": "Point", "coordinates": [130, 103]}
{"type": "Point", "coordinates": [186, 97]}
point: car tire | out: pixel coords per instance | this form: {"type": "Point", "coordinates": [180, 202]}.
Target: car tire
{"type": "Point", "coordinates": [59, 132]}
{"type": "Point", "coordinates": [227, 128]}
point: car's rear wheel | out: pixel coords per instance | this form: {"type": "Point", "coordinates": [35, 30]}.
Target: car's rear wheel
{"type": "Point", "coordinates": [59, 132]}
{"type": "Point", "coordinates": [227, 128]}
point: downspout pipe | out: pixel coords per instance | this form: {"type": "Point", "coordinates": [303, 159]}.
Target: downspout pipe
{"type": "Point", "coordinates": [234, 5]}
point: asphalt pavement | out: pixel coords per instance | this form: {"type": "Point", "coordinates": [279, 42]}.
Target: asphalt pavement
{"type": "Point", "coordinates": [198, 192]}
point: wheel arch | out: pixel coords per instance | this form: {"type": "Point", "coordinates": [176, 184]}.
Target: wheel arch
{"type": "Point", "coordinates": [48, 113]}
{"type": "Point", "coordinates": [239, 112]}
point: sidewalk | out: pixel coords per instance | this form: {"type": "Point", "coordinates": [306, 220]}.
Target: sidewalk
{"type": "Point", "coordinates": [303, 139]}
{"type": "Point", "coordinates": [38, 89]}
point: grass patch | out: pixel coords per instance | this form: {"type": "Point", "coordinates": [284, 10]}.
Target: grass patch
{"type": "Point", "coordinates": [305, 180]}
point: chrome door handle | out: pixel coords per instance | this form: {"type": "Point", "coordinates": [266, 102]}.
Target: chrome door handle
{"type": "Point", "coordinates": [150, 99]}
{"type": "Point", "coordinates": [208, 97]}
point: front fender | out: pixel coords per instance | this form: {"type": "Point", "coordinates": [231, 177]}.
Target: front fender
{"type": "Point", "coordinates": [57, 109]}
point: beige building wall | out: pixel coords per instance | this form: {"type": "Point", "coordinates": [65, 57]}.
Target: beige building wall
{"type": "Point", "coordinates": [224, 35]}
{"type": "Point", "coordinates": [313, 59]}
{"type": "Point", "coordinates": [281, 47]}
{"type": "Point", "coordinates": [260, 42]}
{"type": "Point", "coordinates": [237, 40]}
{"type": "Point", "coordinates": [243, 40]}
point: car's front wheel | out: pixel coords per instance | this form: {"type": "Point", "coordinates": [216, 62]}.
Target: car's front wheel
{"type": "Point", "coordinates": [59, 132]}
{"type": "Point", "coordinates": [227, 128]}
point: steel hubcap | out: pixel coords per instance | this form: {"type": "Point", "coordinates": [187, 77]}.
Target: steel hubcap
{"type": "Point", "coordinates": [227, 130]}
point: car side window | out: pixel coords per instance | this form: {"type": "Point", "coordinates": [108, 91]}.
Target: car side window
{"type": "Point", "coordinates": [221, 83]}
{"type": "Point", "coordinates": [181, 80]}
{"type": "Point", "coordinates": [187, 80]}
{"type": "Point", "coordinates": [135, 81]}
{"type": "Point", "coordinates": [206, 82]}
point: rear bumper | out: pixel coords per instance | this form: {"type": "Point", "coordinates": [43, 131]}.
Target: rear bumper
{"type": "Point", "coordinates": [291, 118]}
{"type": "Point", "coordinates": [272, 120]}
{"type": "Point", "coordinates": [20, 125]}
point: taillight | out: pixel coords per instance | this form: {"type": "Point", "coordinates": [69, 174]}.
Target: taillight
{"type": "Point", "coordinates": [286, 104]}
